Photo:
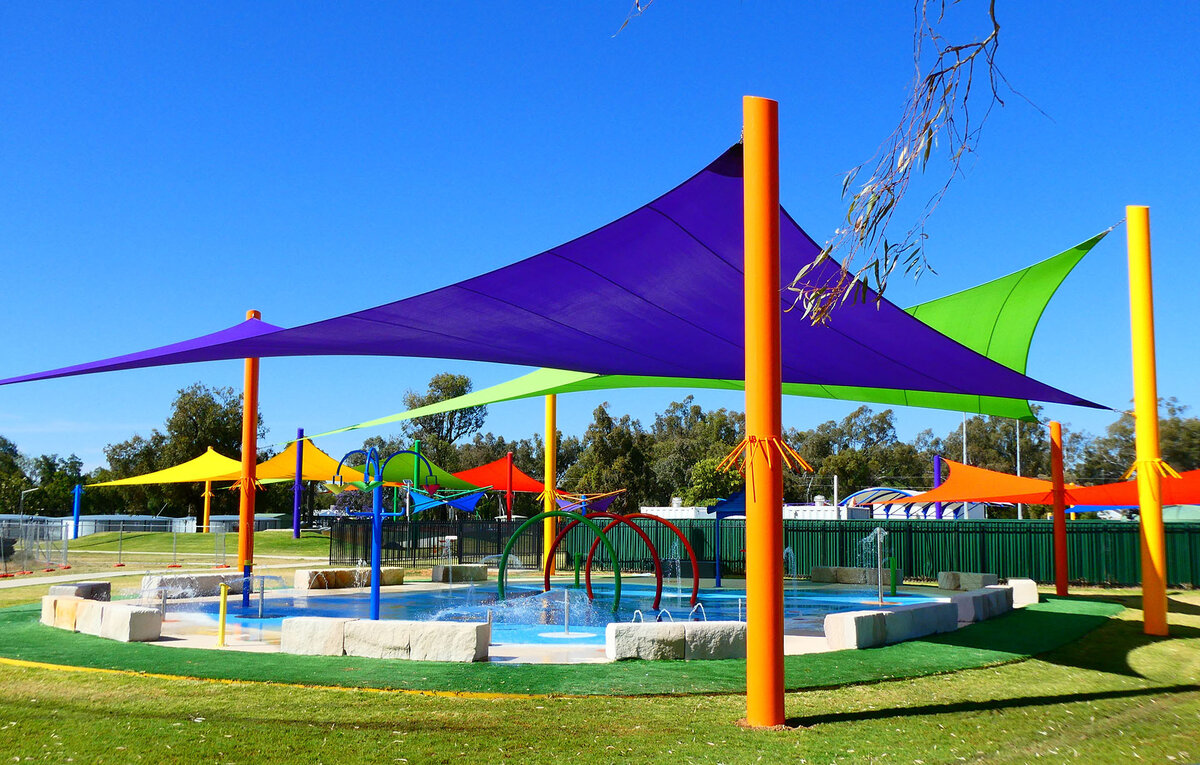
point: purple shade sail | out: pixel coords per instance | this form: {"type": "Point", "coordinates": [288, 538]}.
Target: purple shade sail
{"type": "Point", "coordinates": [658, 292]}
{"type": "Point", "coordinates": [204, 348]}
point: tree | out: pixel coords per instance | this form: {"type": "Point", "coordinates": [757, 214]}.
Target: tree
{"type": "Point", "coordinates": [708, 484]}
{"type": "Point", "coordinates": [200, 417]}
{"type": "Point", "coordinates": [13, 479]}
{"type": "Point", "coordinates": [56, 479]}
{"type": "Point", "coordinates": [438, 432]}
{"type": "Point", "coordinates": [862, 451]}
{"type": "Point", "coordinates": [684, 435]}
{"type": "Point", "coordinates": [1107, 457]}
{"type": "Point", "coordinates": [616, 455]}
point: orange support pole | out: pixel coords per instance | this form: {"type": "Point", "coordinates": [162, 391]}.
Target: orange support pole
{"type": "Point", "coordinates": [764, 477]}
{"type": "Point", "coordinates": [550, 476]}
{"type": "Point", "coordinates": [249, 461]}
{"type": "Point", "coordinates": [1060, 509]}
{"type": "Point", "coordinates": [1145, 406]}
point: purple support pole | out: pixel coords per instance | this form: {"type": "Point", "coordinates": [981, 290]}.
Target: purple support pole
{"type": "Point", "coordinates": [298, 486]}
{"type": "Point", "coordinates": [937, 481]}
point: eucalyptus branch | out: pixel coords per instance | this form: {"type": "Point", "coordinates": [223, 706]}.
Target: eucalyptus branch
{"type": "Point", "coordinates": [937, 112]}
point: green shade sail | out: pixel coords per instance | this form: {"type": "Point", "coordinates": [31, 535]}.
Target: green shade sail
{"type": "Point", "coordinates": [996, 319]}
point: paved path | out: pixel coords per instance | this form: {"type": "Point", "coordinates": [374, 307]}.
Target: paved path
{"type": "Point", "coordinates": [25, 581]}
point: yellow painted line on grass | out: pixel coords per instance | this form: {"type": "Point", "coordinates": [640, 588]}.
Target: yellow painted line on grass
{"type": "Point", "coordinates": [477, 695]}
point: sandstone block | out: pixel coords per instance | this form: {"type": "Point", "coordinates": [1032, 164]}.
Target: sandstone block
{"type": "Point", "coordinates": [464, 572]}
{"type": "Point", "coordinates": [88, 590]}
{"type": "Point", "coordinates": [131, 624]}
{"type": "Point", "coordinates": [191, 585]}
{"type": "Point", "coordinates": [872, 576]}
{"type": "Point", "coordinates": [377, 639]}
{"type": "Point", "coordinates": [714, 640]}
{"type": "Point", "coordinates": [855, 629]}
{"type": "Point", "coordinates": [823, 574]}
{"type": "Point", "coordinates": [1024, 592]}
{"type": "Point", "coordinates": [650, 640]}
{"type": "Point", "coordinates": [449, 641]}
{"type": "Point", "coordinates": [48, 609]}
{"type": "Point", "coordinates": [1000, 599]}
{"type": "Point", "coordinates": [976, 581]}
{"type": "Point", "coordinates": [89, 615]}
{"type": "Point", "coordinates": [948, 580]}
{"type": "Point", "coordinates": [64, 611]}
{"type": "Point", "coordinates": [313, 635]}
{"type": "Point", "coordinates": [850, 575]}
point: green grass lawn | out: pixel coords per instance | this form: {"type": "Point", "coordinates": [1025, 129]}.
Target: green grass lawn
{"type": "Point", "coordinates": [266, 543]}
{"type": "Point", "coordinates": [1113, 695]}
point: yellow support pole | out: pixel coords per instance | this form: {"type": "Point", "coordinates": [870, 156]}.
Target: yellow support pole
{"type": "Point", "coordinates": [764, 473]}
{"type": "Point", "coordinates": [1145, 405]}
{"type": "Point", "coordinates": [550, 478]}
{"type": "Point", "coordinates": [221, 616]}
{"type": "Point", "coordinates": [208, 495]}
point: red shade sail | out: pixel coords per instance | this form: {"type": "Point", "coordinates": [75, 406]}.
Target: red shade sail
{"type": "Point", "coordinates": [495, 474]}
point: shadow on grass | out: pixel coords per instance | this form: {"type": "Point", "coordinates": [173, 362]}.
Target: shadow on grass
{"type": "Point", "coordinates": [1057, 632]}
{"type": "Point", "coordinates": [990, 705]}
{"type": "Point", "coordinates": [1176, 605]}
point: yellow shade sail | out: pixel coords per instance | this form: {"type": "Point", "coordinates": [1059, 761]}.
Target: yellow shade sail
{"type": "Point", "coordinates": [210, 466]}
{"type": "Point", "coordinates": [318, 466]}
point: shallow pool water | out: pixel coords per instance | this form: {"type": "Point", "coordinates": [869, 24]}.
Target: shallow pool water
{"type": "Point", "coordinates": [528, 615]}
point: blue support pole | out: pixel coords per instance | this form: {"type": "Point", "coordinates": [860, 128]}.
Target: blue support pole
{"type": "Point", "coordinates": [717, 550]}
{"type": "Point", "coordinates": [376, 547]}
{"type": "Point", "coordinates": [298, 486]}
{"type": "Point", "coordinates": [78, 494]}
{"type": "Point", "coordinates": [937, 481]}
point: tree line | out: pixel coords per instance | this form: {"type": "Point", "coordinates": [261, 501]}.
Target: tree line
{"type": "Point", "coordinates": [676, 455]}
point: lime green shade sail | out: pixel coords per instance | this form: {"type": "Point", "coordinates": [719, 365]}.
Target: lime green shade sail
{"type": "Point", "coordinates": [996, 319]}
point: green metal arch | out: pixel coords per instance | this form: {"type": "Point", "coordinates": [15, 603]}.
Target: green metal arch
{"type": "Point", "coordinates": [575, 517]}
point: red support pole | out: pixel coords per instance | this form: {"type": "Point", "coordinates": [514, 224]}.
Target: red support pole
{"type": "Point", "coordinates": [508, 495]}
{"type": "Point", "coordinates": [1060, 509]}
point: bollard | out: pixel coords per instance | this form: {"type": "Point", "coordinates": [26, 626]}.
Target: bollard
{"type": "Point", "coordinates": [220, 556]}
{"type": "Point", "coordinates": [174, 548]}
{"type": "Point", "coordinates": [221, 617]}
{"type": "Point", "coordinates": [120, 542]}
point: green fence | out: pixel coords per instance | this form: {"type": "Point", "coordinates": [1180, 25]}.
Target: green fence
{"type": "Point", "coordinates": [1099, 552]}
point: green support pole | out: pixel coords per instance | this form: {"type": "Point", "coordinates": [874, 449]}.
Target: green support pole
{"type": "Point", "coordinates": [892, 566]}
{"type": "Point", "coordinates": [417, 464]}
{"type": "Point", "coordinates": [578, 557]}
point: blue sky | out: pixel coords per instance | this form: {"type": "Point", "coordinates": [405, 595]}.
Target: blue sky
{"type": "Point", "coordinates": [164, 167]}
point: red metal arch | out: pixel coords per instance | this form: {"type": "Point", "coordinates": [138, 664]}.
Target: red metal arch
{"type": "Point", "coordinates": [658, 576]}
{"type": "Point", "coordinates": [687, 546]}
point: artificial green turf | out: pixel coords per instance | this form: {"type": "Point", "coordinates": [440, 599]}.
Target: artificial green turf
{"type": "Point", "coordinates": [1027, 632]}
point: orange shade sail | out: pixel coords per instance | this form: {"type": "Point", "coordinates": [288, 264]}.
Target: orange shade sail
{"type": "Point", "coordinates": [974, 484]}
